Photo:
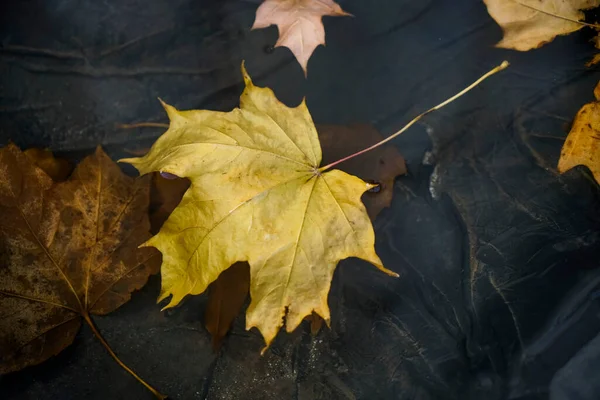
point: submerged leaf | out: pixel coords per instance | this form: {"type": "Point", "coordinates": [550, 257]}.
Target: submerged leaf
{"type": "Point", "coordinates": [165, 195]}
{"type": "Point", "coordinates": [381, 166]}
{"type": "Point", "coordinates": [68, 250]}
{"type": "Point", "coordinates": [226, 296]}
{"type": "Point", "coordinates": [582, 146]}
{"type": "Point", "coordinates": [257, 195]}
{"type": "Point", "coordinates": [299, 23]}
{"type": "Point", "coordinates": [316, 323]}
{"type": "Point", "coordinates": [529, 24]}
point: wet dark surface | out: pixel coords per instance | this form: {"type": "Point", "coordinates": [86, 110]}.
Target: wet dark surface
{"type": "Point", "coordinates": [499, 296]}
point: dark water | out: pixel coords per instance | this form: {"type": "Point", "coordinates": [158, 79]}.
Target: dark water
{"type": "Point", "coordinates": [500, 290]}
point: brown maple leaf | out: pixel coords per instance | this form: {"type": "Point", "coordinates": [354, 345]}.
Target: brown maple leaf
{"type": "Point", "coordinates": [68, 251]}
{"type": "Point", "coordinates": [299, 23]}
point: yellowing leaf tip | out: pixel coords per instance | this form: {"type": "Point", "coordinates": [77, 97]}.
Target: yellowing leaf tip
{"type": "Point", "coordinates": [171, 111]}
{"type": "Point", "coordinates": [131, 161]}
{"type": "Point", "coordinates": [247, 79]}
{"type": "Point", "coordinates": [137, 163]}
{"type": "Point", "coordinates": [146, 244]}
{"type": "Point", "coordinates": [386, 271]}
{"type": "Point", "coordinates": [172, 303]}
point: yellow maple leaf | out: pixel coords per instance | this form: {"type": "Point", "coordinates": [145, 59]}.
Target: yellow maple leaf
{"type": "Point", "coordinates": [529, 24]}
{"type": "Point", "coordinates": [582, 146]}
{"type": "Point", "coordinates": [257, 195]}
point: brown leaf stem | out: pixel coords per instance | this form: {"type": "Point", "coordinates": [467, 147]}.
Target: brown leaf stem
{"type": "Point", "coordinates": [97, 333]}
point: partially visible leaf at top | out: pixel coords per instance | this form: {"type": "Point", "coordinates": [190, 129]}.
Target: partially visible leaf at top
{"type": "Point", "coordinates": [68, 250]}
{"type": "Point", "coordinates": [257, 195]}
{"type": "Point", "coordinates": [299, 23]}
{"type": "Point", "coordinates": [582, 146]}
{"type": "Point", "coordinates": [529, 24]}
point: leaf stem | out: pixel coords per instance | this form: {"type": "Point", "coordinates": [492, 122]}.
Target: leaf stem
{"type": "Point", "coordinates": [595, 26]}
{"type": "Point", "coordinates": [89, 321]}
{"type": "Point", "coordinates": [499, 68]}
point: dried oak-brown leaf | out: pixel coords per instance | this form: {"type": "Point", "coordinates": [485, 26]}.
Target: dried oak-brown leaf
{"type": "Point", "coordinates": [68, 250]}
{"type": "Point", "coordinates": [582, 146]}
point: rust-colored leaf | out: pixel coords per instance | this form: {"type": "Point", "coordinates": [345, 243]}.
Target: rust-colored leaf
{"type": "Point", "coordinates": [582, 146]}
{"type": "Point", "coordinates": [58, 169]}
{"type": "Point", "coordinates": [226, 296]}
{"type": "Point", "coordinates": [68, 250]}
